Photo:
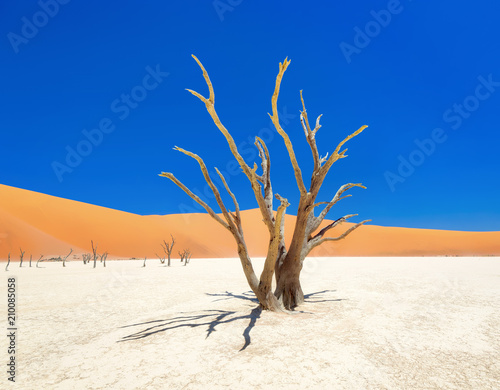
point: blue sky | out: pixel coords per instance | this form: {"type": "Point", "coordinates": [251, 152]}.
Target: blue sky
{"type": "Point", "coordinates": [424, 77]}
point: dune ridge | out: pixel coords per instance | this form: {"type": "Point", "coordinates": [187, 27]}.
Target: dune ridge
{"type": "Point", "coordinates": [45, 224]}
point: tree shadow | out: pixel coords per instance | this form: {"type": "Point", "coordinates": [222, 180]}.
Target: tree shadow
{"type": "Point", "coordinates": [249, 296]}
{"type": "Point", "coordinates": [213, 318]}
{"type": "Point", "coordinates": [316, 299]}
{"type": "Point", "coordinates": [246, 296]}
{"type": "Point", "coordinates": [209, 318]}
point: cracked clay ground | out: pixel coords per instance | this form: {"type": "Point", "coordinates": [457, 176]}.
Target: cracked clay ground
{"type": "Point", "coordinates": [368, 323]}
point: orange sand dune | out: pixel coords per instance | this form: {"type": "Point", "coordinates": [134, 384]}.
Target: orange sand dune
{"type": "Point", "coordinates": [44, 224]}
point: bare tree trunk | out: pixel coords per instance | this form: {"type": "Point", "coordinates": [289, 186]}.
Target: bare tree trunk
{"type": "Point", "coordinates": [94, 252]}
{"type": "Point", "coordinates": [185, 256]}
{"type": "Point", "coordinates": [287, 272]}
{"type": "Point", "coordinates": [30, 260]}
{"type": "Point", "coordinates": [168, 249]}
{"type": "Point", "coordinates": [104, 256]}
{"type": "Point", "coordinates": [288, 289]}
{"type": "Point", "coordinates": [86, 258]}
{"type": "Point", "coordinates": [41, 256]}
{"type": "Point", "coordinates": [144, 265]}
{"type": "Point", "coordinates": [8, 262]}
{"type": "Point", "coordinates": [262, 290]}
{"type": "Point", "coordinates": [162, 259]}
{"type": "Point", "coordinates": [64, 260]}
{"type": "Point", "coordinates": [21, 258]}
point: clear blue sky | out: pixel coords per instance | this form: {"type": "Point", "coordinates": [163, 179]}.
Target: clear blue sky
{"type": "Point", "coordinates": [405, 68]}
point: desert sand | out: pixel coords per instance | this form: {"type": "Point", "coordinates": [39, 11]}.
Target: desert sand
{"type": "Point", "coordinates": [43, 224]}
{"type": "Point", "coordinates": [367, 323]}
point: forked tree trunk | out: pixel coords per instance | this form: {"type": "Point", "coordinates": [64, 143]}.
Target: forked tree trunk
{"type": "Point", "coordinates": [261, 288]}
{"type": "Point", "coordinates": [268, 300]}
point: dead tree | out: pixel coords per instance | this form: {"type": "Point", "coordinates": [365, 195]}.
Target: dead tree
{"type": "Point", "coordinates": [64, 260]}
{"type": "Point", "coordinates": [104, 256]}
{"type": "Point", "coordinates": [144, 265]}
{"type": "Point", "coordinates": [30, 260]}
{"type": "Point", "coordinates": [86, 258]}
{"type": "Point", "coordinates": [94, 252]}
{"type": "Point", "coordinates": [285, 263]}
{"type": "Point", "coordinates": [167, 248]}
{"type": "Point", "coordinates": [185, 256]}
{"type": "Point", "coordinates": [21, 258]}
{"type": "Point", "coordinates": [40, 259]}
{"type": "Point", "coordinates": [8, 262]}
{"type": "Point", "coordinates": [162, 258]}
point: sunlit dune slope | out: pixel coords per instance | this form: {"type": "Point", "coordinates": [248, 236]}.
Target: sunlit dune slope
{"type": "Point", "coordinates": [44, 224]}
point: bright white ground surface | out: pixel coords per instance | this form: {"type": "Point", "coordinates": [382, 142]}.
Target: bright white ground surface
{"type": "Point", "coordinates": [368, 323]}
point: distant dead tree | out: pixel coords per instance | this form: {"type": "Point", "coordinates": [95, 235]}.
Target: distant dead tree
{"type": "Point", "coordinates": [40, 259]}
{"type": "Point", "coordinates": [86, 258]}
{"type": "Point", "coordinates": [64, 259]}
{"type": "Point", "coordinates": [94, 252]}
{"type": "Point", "coordinates": [8, 262]}
{"type": "Point", "coordinates": [144, 265]}
{"type": "Point", "coordinates": [167, 249]}
{"type": "Point", "coordinates": [285, 263]}
{"type": "Point", "coordinates": [30, 260]}
{"type": "Point", "coordinates": [21, 258]}
{"type": "Point", "coordinates": [162, 258]}
{"type": "Point", "coordinates": [185, 256]}
{"type": "Point", "coordinates": [104, 256]}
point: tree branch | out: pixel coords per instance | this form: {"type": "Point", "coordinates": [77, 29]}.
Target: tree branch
{"type": "Point", "coordinates": [236, 216]}
{"type": "Point", "coordinates": [310, 135]}
{"type": "Point", "coordinates": [266, 176]}
{"type": "Point", "coordinates": [212, 186]}
{"type": "Point", "coordinates": [336, 155]}
{"type": "Point", "coordinates": [250, 173]}
{"type": "Point", "coordinates": [318, 240]}
{"type": "Point", "coordinates": [286, 138]}
{"type": "Point", "coordinates": [274, 244]}
{"type": "Point", "coordinates": [196, 198]}
{"type": "Point", "coordinates": [211, 98]}
{"type": "Point", "coordinates": [209, 103]}
{"type": "Point", "coordinates": [338, 221]}
{"type": "Point", "coordinates": [316, 221]}
{"type": "Point", "coordinates": [318, 126]}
